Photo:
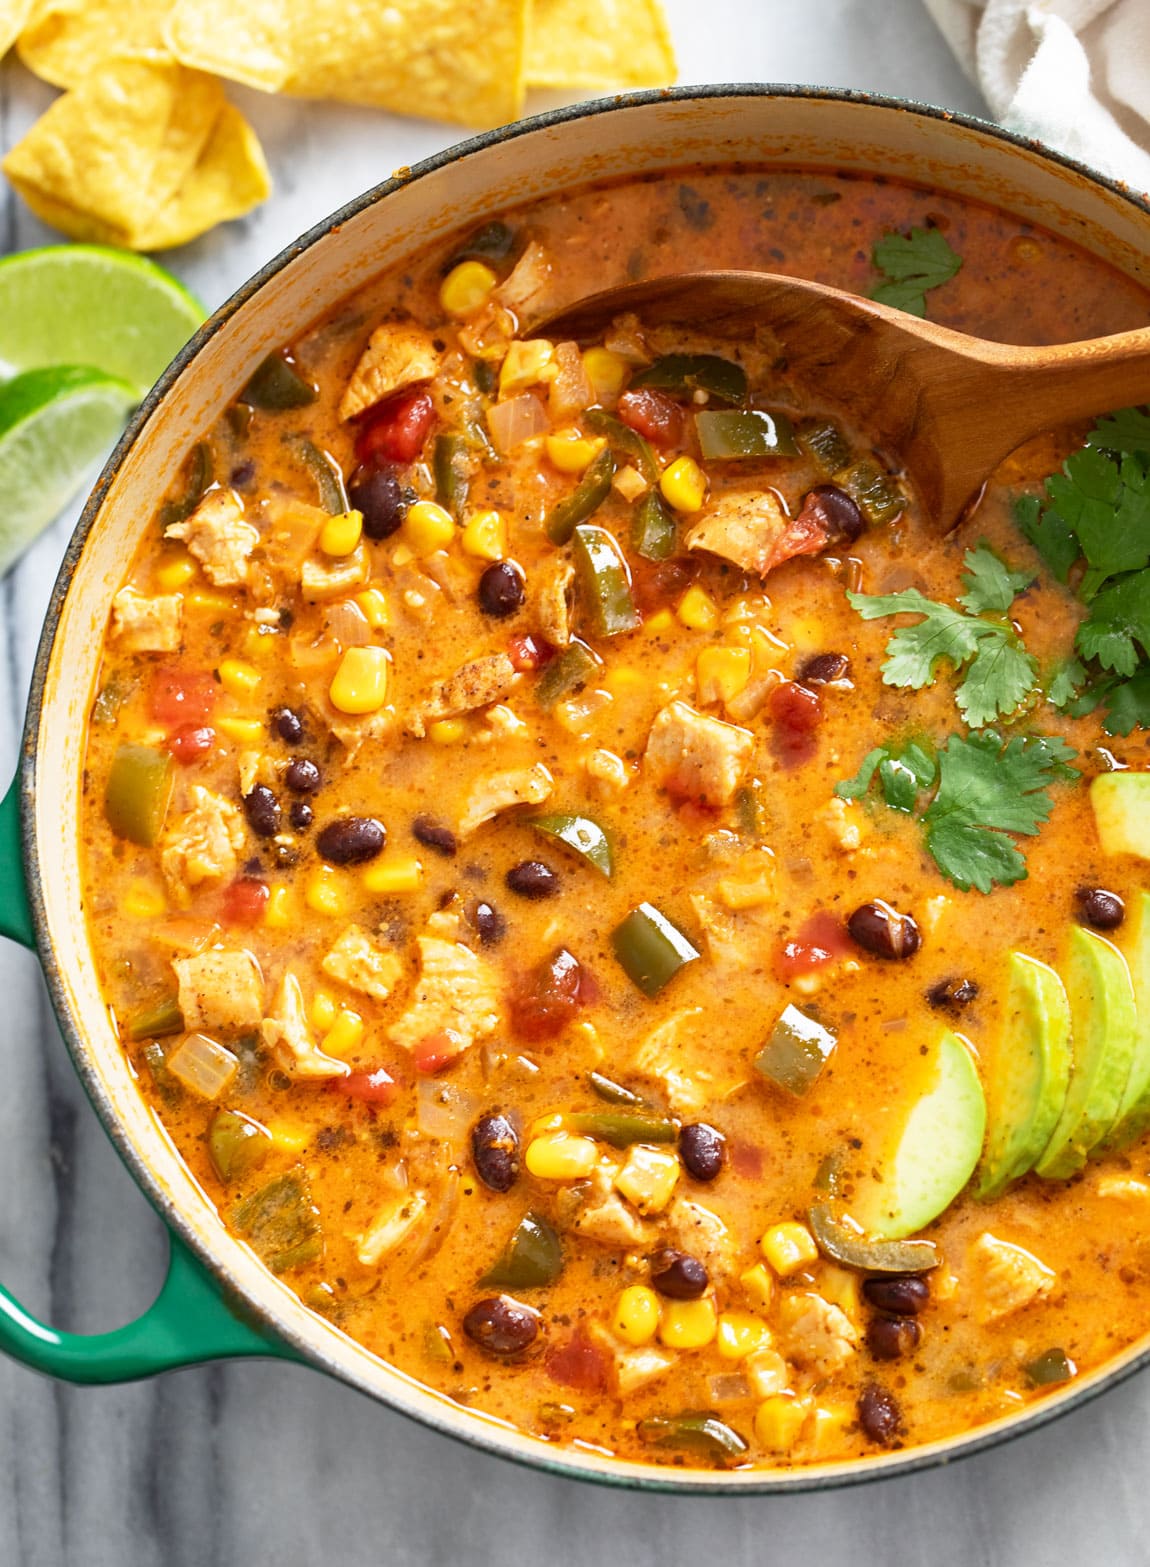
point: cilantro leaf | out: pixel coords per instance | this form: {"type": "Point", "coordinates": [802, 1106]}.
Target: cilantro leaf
{"type": "Point", "coordinates": [855, 788]}
{"type": "Point", "coordinates": [903, 772]}
{"type": "Point", "coordinates": [912, 264]}
{"type": "Point", "coordinates": [990, 582]}
{"type": "Point", "coordinates": [1119, 619]}
{"type": "Point", "coordinates": [1128, 705]}
{"type": "Point", "coordinates": [1128, 430]}
{"type": "Point", "coordinates": [1051, 537]}
{"type": "Point", "coordinates": [1108, 507]}
{"type": "Point", "coordinates": [1066, 681]}
{"type": "Point", "coordinates": [914, 652]}
{"type": "Point", "coordinates": [1001, 676]}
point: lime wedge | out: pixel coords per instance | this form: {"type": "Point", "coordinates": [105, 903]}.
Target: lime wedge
{"type": "Point", "coordinates": [87, 305]}
{"type": "Point", "coordinates": [54, 426]}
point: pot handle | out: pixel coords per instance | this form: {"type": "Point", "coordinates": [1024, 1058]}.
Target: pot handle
{"type": "Point", "coordinates": [190, 1321]}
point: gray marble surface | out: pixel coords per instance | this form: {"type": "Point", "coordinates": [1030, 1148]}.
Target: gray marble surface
{"type": "Point", "coordinates": [262, 1463]}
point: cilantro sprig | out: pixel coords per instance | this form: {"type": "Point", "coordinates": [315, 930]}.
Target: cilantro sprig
{"type": "Point", "coordinates": [978, 640]}
{"type": "Point", "coordinates": [986, 792]}
{"type": "Point", "coordinates": [912, 264]}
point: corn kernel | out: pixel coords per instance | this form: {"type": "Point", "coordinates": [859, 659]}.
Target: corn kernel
{"type": "Point", "coordinates": [698, 610]}
{"type": "Point", "coordinates": [722, 672]}
{"type": "Point", "coordinates": [341, 534]}
{"type": "Point", "coordinates": [778, 1421]}
{"type": "Point", "coordinates": [323, 1011]}
{"type": "Point", "coordinates": [464, 290]}
{"type": "Point", "coordinates": [788, 1248]}
{"type": "Point", "coordinates": [446, 731]}
{"type": "Point", "coordinates": [552, 1122]}
{"type": "Point", "coordinates": [624, 677]}
{"type": "Point", "coordinates": [740, 1334]}
{"type": "Point", "coordinates": [827, 1429]}
{"type": "Point", "coordinates": [238, 679]}
{"type": "Point", "coordinates": [402, 556]}
{"type": "Point", "coordinates": [688, 1324]}
{"type": "Point", "coordinates": [360, 683]}
{"type": "Point", "coordinates": [244, 731]}
{"type": "Point", "coordinates": [485, 536]}
{"type": "Point", "coordinates": [758, 1286]}
{"type": "Point", "coordinates": [649, 1177]}
{"type": "Point", "coordinates": [404, 873]}
{"type": "Point", "coordinates": [261, 642]}
{"type": "Point", "coordinates": [175, 574]}
{"type": "Point", "coordinates": [289, 1136]}
{"type": "Point", "coordinates": [278, 914]}
{"type": "Point", "coordinates": [210, 603]}
{"type": "Point", "coordinates": [607, 373]}
{"type": "Point", "coordinates": [683, 484]}
{"type": "Point", "coordinates": [373, 603]}
{"type": "Point", "coordinates": [324, 891]}
{"type": "Point", "coordinates": [659, 623]}
{"type": "Point", "coordinates": [636, 1317]}
{"type": "Point", "coordinates": [571, 452]}
{"type": "Point", "coordinates": [344, 1035]}
{"type": "Point", "coordinates": [561, 1156]}
{"type": "Point", "coordinates": [527, 364]}
{"type": "Point", "coordinates": [427, 528]}
{"type": "Point", "coordinates": [840, 1287]}
{"type": "Point", "coordinates": [143, 901]}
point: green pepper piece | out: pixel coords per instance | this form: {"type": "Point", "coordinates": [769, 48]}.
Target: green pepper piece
{"type": "Point", "coordinates": [486, 376]}
{"type": "Point", "coordinates": [281, 1222]}
{"type": "Point", "coordinates": [278, 384]}
{"type": "Point", "coordinates": [653, 531]}
{"type": "Point", "coordinates": [328, 476]}
{"type": "Point", "coordinates": [493, 242]}
{"type": "Point", "coordinates": [624, 439]}
{"type": "Point", "coordinates": [567, 672]}
{"type": "Point", "coordinates": [1049, 1368]}
{"type": "Point", "coordinates": [437, 1344]}
{"type": "Point", "coordinates": [829, 1175]}
{"type": "Point", "coordinates": [614, 1093]}
{"type": "Point", "coordinates": [583, 501]}
{"type": "Point", "coordinates": [744, 432]}
{"type": "Point", "coordinates": [846, 1244]}
{"type": "Point", "coordinates": [157, 1021]}
{"type": "Point", "coordinates": [112, 695]}
{"type": "Point", "coordinates": [605, 580]}
{"type": "Point", "coordinates": [751, 810]}
{"type": "Point", "coordinates": [697, 1431]}
{"type": "Point", "coordinates": [168, 1088]}
{"type": "Point", "coordinates": [796, 1052]}
{"type": "Point", "coordinates": [137, 794]}
{"type": "Point", "coordinates": [684, 374]}
{"type": "Point", "coordinates": [651, 949]}
{"type": "Point", "coordinates": [583, 835]}
{"type": "Point", "coordinates": [622, 1128]}
{"type": "Point", "coordinates": [875, 493]}
{"type": "Point", "coordinates": [452, 473]}
{"type": "Point", "coordinates": [532, 1257]}
{"type": "Point", "coordinates": [199, 476]}
{"type": "Point", "coordinates": [826, 446]}
{"type": "Point", "coordinates": [236, 1144]}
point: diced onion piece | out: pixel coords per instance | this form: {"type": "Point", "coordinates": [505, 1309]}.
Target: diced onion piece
{"type": "Point", "coordinates": [515, 421]}
{"type": "Point", "coordinates": [203, 1066]}
{"type": "Point", "coordinates": [443, 1111]}
{"type": "Point", "coordinates": [347, 624]}
{"type": "Point", "coordinates": [729, 1387]}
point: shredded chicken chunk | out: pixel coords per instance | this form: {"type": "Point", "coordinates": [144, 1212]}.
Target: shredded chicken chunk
{"type": "Point", "coordinates": [219, 538]}
{"type": "Point", "coordinates": [818, 1337]}
{"type": "Point", "coordinates": [221, 990]}
{"type": "Point", "coordinates": [752, 529]}
{"type": "Point", "coordinates": [554, 585]}
{"type": "Point", "coordinates": [204, 845]}
{"type": "Point", "coordinates": [478, 684]}
{"type": "Point", "coordinates": [147, 625]}
{"type": "Point", "coordinates": [455, 1001]}
{"type": "Point", "coordinates": [1005, 1277]}
{"type": "Point", "coordinates": [695, 757]}
{"type": "Point", "coordinates": [666, 1055]}
{"type": "Point", "coordinates": [363, 964]}
{"type": "Point", "coordinates": [392, 1225]}
{"type": "Point", "coordinates": [603, 1216]}
{"type": "Point", "coordinates": [527, 287]}
{"type": "Point", "coordinates": [288, 1035]}
{"type": "Point", "coordinates": [497, 792]}
{"type": "Point", "coordinates": [396, 356]}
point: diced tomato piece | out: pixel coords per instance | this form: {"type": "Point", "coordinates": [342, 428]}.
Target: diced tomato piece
{"type": "Point", "coordinates": [654, 415]}
{"type": "Point", "coordinates": [548, 997]}
{"type": "Point", "coordinates": [190, 742]}
{"type": "Point", "coordinates": [796, 713]}
{"type": "Point", "coordinates": [435, 1052]}
{"type": "Point", "coordinates": [579, 1363]}
{"type": "Point", "coordinates": [396, 429]}
{"type": "Point", "coordinates": [245, 901]}
{"type": "Point", "coordinates": [370, 1088]}
{"type": "Point", "coordinates": [805, 534]}
{"type": "Point", "coordinates": [657, 585]}
{"type": "Point", "coordinates": [530, 651]}
{"type": "Point", "coordinates": [182, 696]}
{"type": "Point", "coordinates": [820, 940]}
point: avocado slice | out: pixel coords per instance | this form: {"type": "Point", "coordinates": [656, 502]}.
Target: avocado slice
{"type": "Point", "coordinates": [1104, 1032]}
{"type": "Point", "coordinates": [1121, 804]}
{"type": "Point", "coordinates": [936, 1151]}
{"type": "Point", "coordinates": [1134, 1110]}
{"type": "Point", "coordinates": [1030, 1074]}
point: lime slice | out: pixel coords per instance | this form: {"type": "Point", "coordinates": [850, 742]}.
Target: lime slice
{"type": "Point", "coordinates": [87, 305]}
{"type": "Point", "coordinates": [54, 426]}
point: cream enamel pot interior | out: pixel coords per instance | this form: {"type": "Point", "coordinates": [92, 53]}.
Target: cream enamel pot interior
{"type": "Point", "coordinates": [218, 1300]}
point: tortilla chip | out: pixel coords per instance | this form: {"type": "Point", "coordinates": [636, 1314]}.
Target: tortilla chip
{"type": "Point", "coordinates": [13, 15]}
{"type": "Point", "coordinates": [599, 43]}
{"type": "Point", "coordinates": [64, 41]}
{"type": "Point", "coordinates": [458, 60]}
{"type": "Point", "coordinates": [144, 154]}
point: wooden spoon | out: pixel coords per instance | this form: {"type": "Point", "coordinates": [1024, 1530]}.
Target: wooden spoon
{"type": "Point", "coordinates": [951, 406]}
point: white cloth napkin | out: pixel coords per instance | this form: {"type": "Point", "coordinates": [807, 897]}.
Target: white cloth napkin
{"type": "Point", "coordinates": [1074, 73]}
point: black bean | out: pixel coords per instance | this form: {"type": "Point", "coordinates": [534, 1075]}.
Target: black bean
{"type": "Point", "coordinates": [501, 590]}
{"type": "Point", "coordinates": [495, 1150]}
{"type": "Point", "coordinates": [902, 1297]}
{"type": "Point", "coordinates": [879, 1415]}
{"type": "Point", "coordinates": [288, 725]}
{"type": "Point", "coordinates": [501, 1326]}
{"type": "Point", "coordinates": [262, 810]}
{"type": "Point", "coordinates": [837, 512]}
{"type": "Point", "coordinates": [489, 924]}
{"type": "Point", "coordinates": [243, 473]}
{"type": "Point", "coordinates": [889, 1338]}
{"type": "Point", "coordinates": [379, 496]}
{"type": "Point", "coordinates": [302, 776]}
{"type": "Point", "coordinates": [702, 1149]}
{"type": "Point", "coordinates": [301, 815]}
{"type": "Point", "coordinates": [677, 1275]}
{"type": "Point", "coordinates": [434, 835]}
{"type": "Point", "coordinates": [1104, 910]}
{"type": "Point", "coordinates": [350, 840]}
{"type": "Point", "coordinates": [952, 993]}
{"type": "Point", "coordinates": [533, 879]}
{"type": "Point", "coordinates": [883, 931]}
{"type": "Point", "coordinates": [821, 668]}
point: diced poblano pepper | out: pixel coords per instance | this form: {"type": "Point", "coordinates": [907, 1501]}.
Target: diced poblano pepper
{"type": "Point", "coordinates": [685, 374]}
{"type": "Point", "coordinates": [605, 581]}
{"type": "Point", "coordinates": [583, 835]}
{"type": "Point", "coordinates": [567, 673]}
{"type": "Point", "coordinates": [584, 500]}
{"type": "Point", "coordinates": [137, 794]}
{"type": "Point", "coordinates": [531, 1259]}
{"type": "Point", "coordinates": [796, 1052]}
{"type": "Point", "coordinates": [651, 949]}
{"type": "Point", "coordinates": [740, 433]}
{"type": "Point", "coordinates": [621, 1128]}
